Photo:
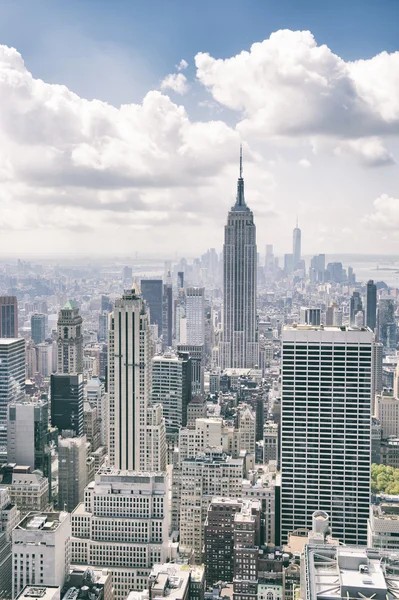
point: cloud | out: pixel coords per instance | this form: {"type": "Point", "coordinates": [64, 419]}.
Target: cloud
{"type": "Point", "coordinates": [385, 216]}
{"type": "Point", "coordinates": [369, 152]}
{"type": "Point", "coordinates": [304, 163]}
{"type": "Point", "coordinates": [183, 64]}
{"type": "Point", "coordinates": [289, 86]}
{"type": "Point", "coordinates": [176, 82]}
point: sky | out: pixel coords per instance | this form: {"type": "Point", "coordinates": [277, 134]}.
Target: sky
{"type": "Point", "coordinates": [121, 121]}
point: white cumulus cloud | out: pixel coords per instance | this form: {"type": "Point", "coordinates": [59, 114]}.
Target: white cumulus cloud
{"type": "Point", "coordinates": [176, 82]}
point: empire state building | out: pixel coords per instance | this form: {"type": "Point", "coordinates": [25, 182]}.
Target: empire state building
{"type": "Point", "coordinates": [239, 346]}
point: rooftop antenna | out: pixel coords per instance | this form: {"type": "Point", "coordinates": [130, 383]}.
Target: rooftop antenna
{"type": "Point", "coordinates": [240, 161]}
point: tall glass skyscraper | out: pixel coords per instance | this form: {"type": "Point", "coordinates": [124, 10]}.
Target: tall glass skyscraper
{"type": "Point", "coordinates": [239, 347]}
{"type": "Point", "coordinates": [327, 375]}
{"type": "Point", "coordinates": [371, 305]}
{"type": "Point", "coordinates": [12, 380]}
{"type": "Point", "coordinates": [8, 317]}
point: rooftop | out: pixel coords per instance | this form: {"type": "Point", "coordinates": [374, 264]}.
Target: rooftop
{"type": "Point", "coordinates": [41, 592]}
{"type": "Point", "coordinates": [42, 521]}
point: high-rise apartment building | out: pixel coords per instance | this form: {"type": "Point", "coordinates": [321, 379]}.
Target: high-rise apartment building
{"type": "Point", "coordinates": [123, 525]}
{"type": "Point", "coordinates": [296, 246]}
{"type": "Point", "coordinates": [41, 546]}
{"type": "Point", "coordinates": [69, 339]}
{"type": "Point", "coordinates": [239, 347]}
{"type": "Point", "coordinates": [12, 378]}
{"type": "Point", "coordinates": [72, 475]}
{"type": "Point", "coordinates": [38, 328]}
{"type": "Point", "coordinates": [246, 551]}
{"type": "Point", "coordinates": [67, 402]}
{"type": "Point", "coordinates": [171, 387]}
{"type": "Point", "coordinates": [210, 474]}
{"type": "Point", "coordinates": [152, 292]}
{"type": "Point", "coordinates": [8, 317]}
{"type": "Point", "coordinates": [325, 428]}
{"type": "Point", "coordinates": [129, 382]}
{"type": "Point", "coordinates": [195, 316]}
{"type": "Point", "coordinates": [371, 305]}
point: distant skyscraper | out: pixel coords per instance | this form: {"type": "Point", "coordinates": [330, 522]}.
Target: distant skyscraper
{"type": "Point", "coordinates": [195, 316]}
{"type": "Point", "coordinates": [152, 291]}
{"type": "Point", "coordinates": [371, 305]}
{"type": "Point", "coordinates": [167, 315]}
{"type": "Point", "coordinates": [171, 387]}
{"type": "Point", "coordinates": [288, 264]}
{"type": "Point", "coordinates": [239, 347]}
{"type": "Point", "coordinates": [355, 306]}
{"type": "Point", "coordinates": [67, 403]}
{"type": "Point", "coordinates": [269, 260]}
{"type": "Point", "coordinates": [8, 317]}
{"type": "Point", "coordinates": [38, 328]}
{"type": "Point", "coordinates": [103, 326]}
{"type": "Point", "coordinates": [325, 429]}
{"type": "Point", "coordinates": [296, 246]}
{"type": "Point", "coordinates": [72, 471]}
{"type": "Point", "coordinates": [12, 380]}
{"type": "Point", "coordinates": [69, 339]}
{"type": "Point", "coordinates": [386, 325]}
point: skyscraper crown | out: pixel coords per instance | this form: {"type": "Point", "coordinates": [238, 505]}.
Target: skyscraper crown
{"type": "Point", "coordinates": [240, 204]}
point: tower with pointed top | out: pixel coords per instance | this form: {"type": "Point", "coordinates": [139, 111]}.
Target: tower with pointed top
{"type": "Point", "coordinates": [239, 347]}
{"type": "Point", "coordinates": [296, 245]}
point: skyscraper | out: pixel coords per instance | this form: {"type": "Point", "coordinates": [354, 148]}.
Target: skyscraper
{"type": "Point", "coordinates": [38, 328]}
{"type": "Point", "coordinates": [12, 378]}
{"type": "Point", "coordinates": [239, 347]}
{"type": "Point", "coordinates": [8, 317]}
{"type": "Point", "coordinates": [296, 246]}
{"type": "Point", "coordinates": [151, 290]}
{"type": "Point", "coordinates": [325, 428]}
{"type": "Point", "coordinates": [195, 316]}
{"type": "Point", "coordinates": [371, 305]}
{"type": "Point", "coordinates": [69, 339]}
{"type": "Point", "coordinates": [129, 381]}
{"type": "Point", "coordinates": [167, 314]}
{"type": "Point", "coordinates": [67, 403]}
{"type": "Point", "coordinates": [355, 306]}
{"type": "Point", "coordinates": [386, 325]}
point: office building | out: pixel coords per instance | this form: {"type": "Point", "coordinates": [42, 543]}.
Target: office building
{"type": "Point", "coordinates": [310, 316]}
{"type": "Point", "coordinates": [69, 339]}
{"type": "Point", "coordinates": [195, 316]}
{"type": "Point", "coordinates": [296, 246]}
{"type": "Point", "coordinates": [387, 412]}
{"type": "Point", "coordinates": [386, 325]}
{"type": "Point", "coordinates": [371, 305]}
{"type": "Point", "coordinates": [28, 491]}
{"type": "Point", "coordinates": [27, 434]}
{"type": "Point", "coordinates": [72, 473]}
{"type": "Point", "coordinates": [44, 359]}
{"type": "Point", "coordinates": [247, 427]}
{"type": "Point", "coordinates": [355, 307]}
{"type": "Point", "coordinates": [9, 516]}
{"type": "Point", "coordinates": [156, 437]}
{"type": "Point", "coordinates": [103, 326]}
{"type": "Point", "coordinates": [288, 264]}
{"type": "Point", "coordinates": [317, 267]}
{"type": "Point", "coordinates": [12, 377]}
{"type": "Point", "coordinates": [97, 397]}
{"type": "Point", "coordinates": [152, 292]}
{"type": "Point", "coordinates": [123, 525]}
{"type": "Point", "coordinates": [197, 358]}
{"type": "Point", "coordinates": [239, 347]}
{"type": "Point", "coordinates": [176, 581]}
{"type": "Point", "coordinates": [210, 474]}
{"type": "Point", "coordinates": [8, 317]}
{"type": "Point", "coordinates": [348, 572]}
{"type": "Point", "coordinates": [67, 403]}
{"type": "Point", "coordinates": [41, 550]}
{"type": "Point", "coordinates": [325, 428]}
{"type": "Point", "coordinates": [196, 409]}
{"type": "Point", "coordinates": [129, 380]}
{"type": "Point", "coordinates": [171, 387]}
{"type": "Point", "coordinates": [383, 525]}
{"type": "Point", "coordinates": [260, 484]}
{"type": "Point", "coordinates": [269, 260]}
{"type": "Point", "coordinates": [38, 328]}
{"type": "Point", "coordinates": [167, 314]}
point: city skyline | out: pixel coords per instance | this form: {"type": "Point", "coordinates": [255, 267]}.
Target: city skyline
{"type": "Point", "coordinates": [159, 168]}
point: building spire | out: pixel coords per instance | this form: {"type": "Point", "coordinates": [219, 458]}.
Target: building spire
{"type": "Point", "coordinates": [240, 201]}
